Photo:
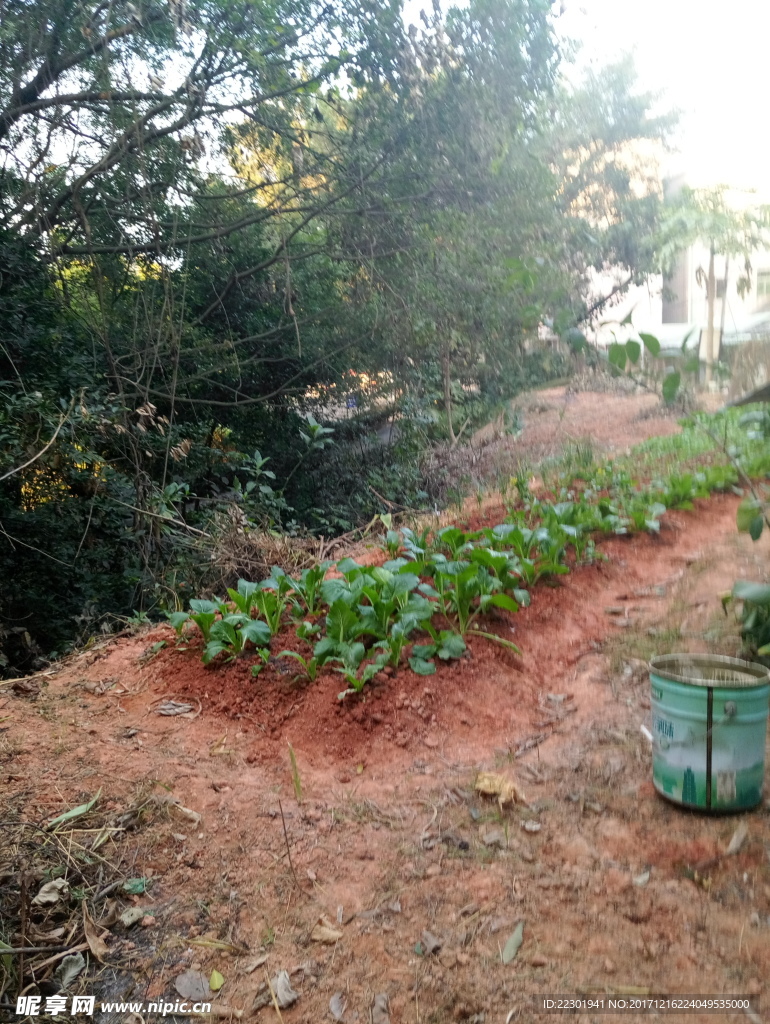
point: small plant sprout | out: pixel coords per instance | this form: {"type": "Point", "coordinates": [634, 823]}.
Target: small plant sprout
{"type": "Point", "coordinates": [263, 656]}
{"type": "Point", "coordinates": [306, 630]}
{"type": "Point", "coordinates": [310, 666]}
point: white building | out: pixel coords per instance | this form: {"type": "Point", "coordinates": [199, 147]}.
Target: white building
{"type": "Point", "coordinates": [676, 306]}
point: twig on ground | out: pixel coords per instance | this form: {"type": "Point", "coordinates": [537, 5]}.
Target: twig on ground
{"type": "Point", "coordinates": [288, 851]}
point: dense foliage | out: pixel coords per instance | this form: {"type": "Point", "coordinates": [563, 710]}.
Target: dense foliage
{"type": "Point", "coordinates": [236, 236]}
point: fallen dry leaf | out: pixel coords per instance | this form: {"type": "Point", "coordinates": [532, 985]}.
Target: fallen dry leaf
{"type": "Point", "coordinates": [492, 784]}
{"type": "Point", "coordinates": [337, 1006]}
{"type": "Point", "coordinates": [324, 931]}
{"type": "Point", "coordinates": [173, 707]}
{"type": "Point", "coordinates": [26, 688]}
{"type": "Point", "coordinates": [96, 944]}
{"type": "Point", "coordinates": [284, 994]}
{"type": "Point", "coordinates": [194, 986]}
{"type": "Point", "coordinates": [251, 965]}
{"type": "Point", "coordinates": [51, 893]}
{"type": "Point", "coordinates": [513, 945]}
{"type": "Point", "coordinates": [380, 1011]}
{"type": "Point", "coordinates": [131, 916]}
{"type": "Point", "coordinates": [739, 838]}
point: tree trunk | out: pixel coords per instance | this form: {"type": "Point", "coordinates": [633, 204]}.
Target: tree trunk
{"type": "Point", "coordinates": [446, 368]}
{"type": "Point", "coordinates": [723, 308]}
{"type": "Point", "coordinates": [711, 296]}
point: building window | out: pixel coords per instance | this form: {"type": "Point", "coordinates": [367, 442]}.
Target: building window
{"type": "Point", "coordinates": [763, 284]}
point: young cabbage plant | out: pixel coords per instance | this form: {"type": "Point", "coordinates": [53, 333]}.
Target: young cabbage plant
{"type": "Point", "coordinates": [244, 597]}
{"type": "Point", "coordinates": [388, 594]}
{"type": "Point", "coordinates": [446, 645]}
{"type": "Point", "coordinates": [472, 592]}
{"type": "Point", "coordinates": [393, 543]}
{"type": "Point", "coordinates": [645, 516]}
{"type": "Point", "coordinates": [272, 598]}
{"type": "Point", "coordinates": [310, 666]}
{"type": "Point", "coordinates": [416, 546]}
{"type": "Point", "coordinates": [345, 624]}
{"type": "Point", "coordinates": [231, 634]}
{"type": "Point", "coordinates": [307, 630]}
{"type": "Point", "coordinates": [506, 568]}
{"type": "Point", "coordinates": [263, 656]}
{"type": "Point", "coordinates": [393, 645]}
{"type": "Point", "coordinates": [306, 596]}
{"type": "Point", "coordinates": [202, 613]}
{"type": "Point", "coordinates": [356, 674]}
{"type": "Point", "coordinates": [455, 541]}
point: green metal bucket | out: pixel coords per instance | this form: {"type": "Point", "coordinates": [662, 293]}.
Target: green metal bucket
{"type": "Point", "coordinates": [709, 722]}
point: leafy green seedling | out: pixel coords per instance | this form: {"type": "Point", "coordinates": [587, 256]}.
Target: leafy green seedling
{"type": "Point", "coordinates": [202, 613]}
{"type": "Point", "coordinates": [263, 656]}
{"type": "Point", "coordinates": [310, 666]}
{"type": "Point", "coordinates": [306, 598]}
{"type": "Point", "coordinates": [306, 630]}
{"type": "Point", "coordinates": [231, 634]}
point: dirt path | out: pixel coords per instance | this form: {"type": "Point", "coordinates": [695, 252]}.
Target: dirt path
{"type": "Point", "coordinates": [389, 840]}
{"type": "Point", "coordinates": [555, 416]}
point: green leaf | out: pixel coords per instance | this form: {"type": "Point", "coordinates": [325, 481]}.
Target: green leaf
{"type": "Point", "coordinates": [325, 649]}
{"type": "Point", "coordinates": [424, 651]}
{"type": "Point", "coordinates": [256, 631]}
{"type": "Point", "coordinates": [395, 564]}
{"type": "Point", "coordinates": [617, 355]}
{"type": "Point", "coordinates": [687, 338]}
{"type": "Point", "coordinates": [633, 350]}
{"type": "Point", "coordinates": [347, 565]}
{"type": "Point", "coordinates": [212, 649]}
{"type": "Point", "coordinates": [177, 620]}
{"type": "Point", "coordinates": [755, 527]}
{"type": "Point", "coordinates": [421, 667]}
{"type": "Point", "coordinates": [747, 512]}
{"type": "Point", "coordinates": [756, 593]}
{"type": "Point", "coordinates": [513, 945]}
{"type": "Point", "coordinates": [136, 886]}
{"type": "Point", "coordinates": [671, 386]}
{"type": "Point", "coordinates": [452, 646]}
{"type": "Point", "coordinates": [76, 812]}
{"type": "Point", "coordinates": [651, 343]}
{"type": "Point", "coordinates": [246, 588]}
{"type": "Point", "coordinates": [503, 601]}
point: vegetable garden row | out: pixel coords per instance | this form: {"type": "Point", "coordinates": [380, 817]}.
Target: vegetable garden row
{"type": "Point", "coordinates": [439, 584]}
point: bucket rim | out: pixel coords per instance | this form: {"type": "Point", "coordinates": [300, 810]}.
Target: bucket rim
{"type": "Point", "coordinates": [759, 673]}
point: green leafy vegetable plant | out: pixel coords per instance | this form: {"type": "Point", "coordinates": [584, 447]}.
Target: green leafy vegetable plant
{"type": "Point", "coordinates": [310, 666]}
{"type": "Point", "coordinates": [230, 635]}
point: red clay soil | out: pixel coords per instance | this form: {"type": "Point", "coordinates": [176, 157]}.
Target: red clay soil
{"type": "Point", "coordinates": [484, 701]}
{"type": "Point", "coordinates": [618, 889]}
